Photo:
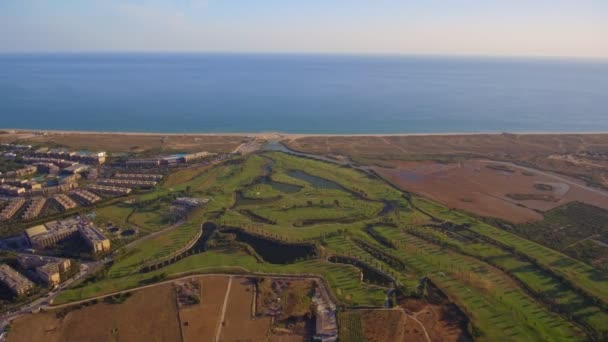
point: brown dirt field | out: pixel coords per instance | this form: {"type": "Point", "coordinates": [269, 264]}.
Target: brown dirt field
{"type": "Point", "coordinates": [384, 325]}
{"type": "Point", "coordinates": [513, 195]}
{"type": "Point", "coordinates": [287, 338]}
{"type": "Point", "coordinates": [440, 321]}
{"type": "Point", "coordinates": [148, 315]}
{"type": "Point", "coordinates": [119, 142]}
{"type": "Point", "coordinates": [202, 319]}
{"type": "Point", "coordinates": [238, 322]}
{"type": "Point", "coordinates": [584, 156]}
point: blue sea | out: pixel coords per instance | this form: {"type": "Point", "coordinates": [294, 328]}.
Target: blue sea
{"type": "Point", "coordinates": [301, 93]}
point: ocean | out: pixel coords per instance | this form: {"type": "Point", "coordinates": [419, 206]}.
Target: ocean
{"type": "Point", "coordinates": [339, 94]}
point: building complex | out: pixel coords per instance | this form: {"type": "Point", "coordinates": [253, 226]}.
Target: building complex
{"type": "Point", "coordinates": [48, 269]}
{"type": "Point", "coordinates": [51, 233]}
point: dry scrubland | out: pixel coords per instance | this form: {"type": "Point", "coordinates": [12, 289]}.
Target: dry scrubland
{"type": "Point", "coordinates": [200, 322]}
{"type": "Point", "coordinates": [153, 314]}
{"type": "Point", "coordinates": [490, 189]}
{"type": "Point", "coordinates": [584, 156]}
{"type": "Point", "coordinates": [135, 143]}
{"type": "Point", "coordinates": [139, 318]}
{"type": "Point", "coordinates": [412, 321]}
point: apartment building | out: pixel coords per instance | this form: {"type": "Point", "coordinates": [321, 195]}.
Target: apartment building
{"type": "Point", "coordinates": [139, 176]}
{"type": "Point", "coordinates": [54, 232]}
{"type": "Point", "coordinates": [86, 197]}
{"type": "Point", "coordinates": [9, 190]}
{"type": "Point", "coordinates": [110, 190]}
{"type": "Point", "coordinates": [95, 238]}
{"type": "Point", "coordinates": [143, 163]}
{"type": "Point", "coordinates": [34, 208]}
{"type": "Point", "coordinates": [128, 183]}
{"type": "Point", "coordinates": [49, 269]}
{"type": "Point", "coordinates": [11, 209]}
{"type": "Point", "coordinates": [65, 202]}
{"type": "Point", "coordinates": [16, 282]}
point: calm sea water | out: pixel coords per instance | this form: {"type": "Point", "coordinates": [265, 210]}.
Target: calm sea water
{"type": "Point", "coordinates": [303, 94]}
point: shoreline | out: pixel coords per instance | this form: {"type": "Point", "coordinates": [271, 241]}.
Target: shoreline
{"type": "Point", "coordinates": [290, 135]}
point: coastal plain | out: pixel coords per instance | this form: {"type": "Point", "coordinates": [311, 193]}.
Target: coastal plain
{"type": "Point", "coordinates": [453, 238]}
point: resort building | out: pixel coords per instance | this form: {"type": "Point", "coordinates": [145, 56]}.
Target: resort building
{"type": "Point", "coordinates": [139, 176]}
{"type": "Point", "coordinates": [90, 157]}
{"type": "Point", "coordinates": [54, 232]}
{"type": "Point", "coordinates": [48, 269]}
{"type": "Point", "coordinates": [34, 208]}
{"type": "Point", "coordinates": [86, 197]}
{"type": "Point", "coordinates": [58, 162]}
{"type": "Point", "coordinates": [76, 169]}
{"type": "Point", "coordinates": [43, 236]}
{"type": "Point", "coordinates": [195, 156]}
{"type": "Point", "coordinates": [128, 183]}
{"type": "Point", "coordinates": [143, 163]}
{"type": "Point", "coordinates": [51, 190]}
{"type": "Point", "coordinates": [16, 282]}
{"type": "Point", "coordinates": [28, 170]}
{"type": "Point", "coordinates": [65, 202]}
{"type": "Point", "coordinates": [110, 190]}
{"type": "Point", "coordinates": [95, 238]}
{"type": "Point", "coordinates": [11, 209]}
{"type": "Point", "coordinates": [10, 190]}
{"type": "Point", "coordinates": [71, 179]}
{"type": "Point", "coordinates": [49, 168]}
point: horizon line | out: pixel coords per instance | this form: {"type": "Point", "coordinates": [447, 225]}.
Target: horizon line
{"type": "Point", "coordinates": [236, 133]}
{"type": "Point", "coordinates": [300, 53]}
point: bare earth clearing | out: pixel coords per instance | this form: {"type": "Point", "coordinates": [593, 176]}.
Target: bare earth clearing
{"type": "Point", "coordinates": [213, 308]}
{"type": "Point", "coordinates": [139, 318]}
{"type": "Point", "coordinates": [200, 322]}
{"type": "Point", "coordinates": [489, 189]}
{"type": "Point", "coordinates": [584, 156]}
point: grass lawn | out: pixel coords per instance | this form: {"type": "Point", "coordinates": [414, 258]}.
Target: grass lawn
{"type": "Point", "coordinates": [343, 279]}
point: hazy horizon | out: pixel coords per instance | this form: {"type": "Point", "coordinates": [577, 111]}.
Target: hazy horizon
{"type": "Point", "coordinates": [384, 27]}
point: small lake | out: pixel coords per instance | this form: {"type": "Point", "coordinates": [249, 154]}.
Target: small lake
{"type": "Point", "coordinates": [317, 182]}
{"type": "Point", "coordinates": [274, 252]}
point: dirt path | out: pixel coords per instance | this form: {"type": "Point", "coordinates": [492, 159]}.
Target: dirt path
{"type": "Point", "coordinates": [221, 320]}
{"type": "Point", "coordinates": [426, 334]}
{"type": "Point", "coordinates": [582, 240]}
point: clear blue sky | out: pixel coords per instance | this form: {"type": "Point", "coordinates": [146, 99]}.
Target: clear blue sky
{"type": "Point", "coordinates": [469, 27]}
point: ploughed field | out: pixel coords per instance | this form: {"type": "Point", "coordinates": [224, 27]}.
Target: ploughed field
{"type": "Point", "coordinates": [374, 246]}
{"type": "Point", "coordinates": [205, 308]}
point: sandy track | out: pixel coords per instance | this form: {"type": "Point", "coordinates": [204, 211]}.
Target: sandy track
{"type": "Point", "coordinates": [222, 316]}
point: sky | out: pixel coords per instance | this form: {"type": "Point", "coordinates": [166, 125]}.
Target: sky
{"type": "Point", "coordinates": [577, 28]}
